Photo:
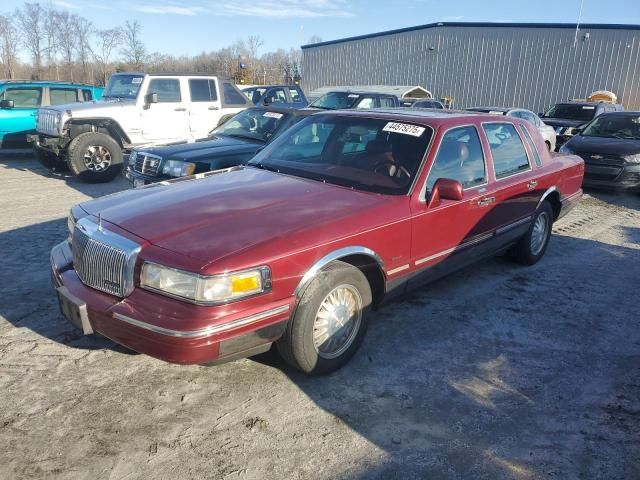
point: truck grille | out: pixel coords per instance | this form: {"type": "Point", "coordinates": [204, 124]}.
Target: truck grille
{"type": "Point", "coordinates": [101, 264]}
{"type": "Point", "coordinates": [147, 164]}
{"type": "Point", "coordinates": [47, 121]}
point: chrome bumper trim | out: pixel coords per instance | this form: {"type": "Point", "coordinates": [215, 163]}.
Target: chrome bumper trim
{"type": "Point", "coordinates": [207, 331]}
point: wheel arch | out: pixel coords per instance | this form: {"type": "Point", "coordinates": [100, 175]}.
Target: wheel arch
{"type": "Point", "coordinates": [362, 258]}
{"type": "Point", "coordinates": [99, 125]}
{"type": "Point", "coordinates": [552, 196]}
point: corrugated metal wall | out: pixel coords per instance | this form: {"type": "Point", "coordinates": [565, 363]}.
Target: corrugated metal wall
{"type": "Point", "coordinates": [495, 66]}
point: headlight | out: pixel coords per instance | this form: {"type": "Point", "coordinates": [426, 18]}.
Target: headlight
{"type": "Point", "coordinates": [635, 159]}
{"type": "Point", "coordinates": [132, 158]}
{"type": "Point", "coordinates": [176, 168]}
{"type": "Point", "coordinates": [205, 289]}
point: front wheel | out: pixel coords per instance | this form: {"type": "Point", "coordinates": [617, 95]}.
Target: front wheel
{"type": "Point", "coordinates": [532, 246]}
{"type": "Point", "coordinates": [330, 321]}
{"type": "Point", "coordinates": [95, 157]}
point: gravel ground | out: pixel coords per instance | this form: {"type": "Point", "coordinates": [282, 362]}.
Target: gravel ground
{"type": "Point", "coordinates": [497, 372]}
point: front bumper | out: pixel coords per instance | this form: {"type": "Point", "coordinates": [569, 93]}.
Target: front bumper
{"type": "Point", "coordinates": [50, 144]}
{"type": "Point", "coordinates": [138, 179]}
{"type": "Point", "coordinates": [154, 325]}
{"type": "Point", "coordinates": [611, 177]}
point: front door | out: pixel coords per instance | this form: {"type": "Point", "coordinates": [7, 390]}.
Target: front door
{"type": "Point", "coordinates": [448, 235]}
{"type": "Point", "coordinates": [17, 122]}
{"type": "Point", "coordinates": [204, 108]}
{"type": "Point", "coordinates": [165, 120]}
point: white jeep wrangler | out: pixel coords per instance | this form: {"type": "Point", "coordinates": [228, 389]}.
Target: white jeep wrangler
{"type": "Point", "coordinates": [136, 109]}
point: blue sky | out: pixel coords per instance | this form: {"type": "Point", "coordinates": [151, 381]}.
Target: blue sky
{"type": "Point", "coordinates": [191, 26]}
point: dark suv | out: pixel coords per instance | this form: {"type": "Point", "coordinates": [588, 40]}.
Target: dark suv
{"type": "Point", "coordinates": [285, 96]}
{"type": "Point", "coordinates": [339, 100]}
{"type": "Point", "coordinates": [564, 117]}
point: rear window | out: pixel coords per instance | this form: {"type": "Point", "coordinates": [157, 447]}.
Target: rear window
{"type": "Point", "coordinates": [582, 113]}
{"type": "Point", "coordinates": [203, 90]}
{"type": "Point", "coordinates": [60, 96]}
{"type": "Point", "coordinates": [509, 154]}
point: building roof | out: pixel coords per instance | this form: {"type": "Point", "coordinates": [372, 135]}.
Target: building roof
{"type": "Point", "coordinates": [573, 26]}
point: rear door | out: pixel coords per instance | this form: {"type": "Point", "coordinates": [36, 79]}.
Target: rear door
{"type": "Point", "coordinates": [17, 122]}
{"type": "Point", "coordinates": [167, 119]}
{"type": "Point", "coordinates": [204, 106]}
{"type": "Point", "coordinates": [62, 95]}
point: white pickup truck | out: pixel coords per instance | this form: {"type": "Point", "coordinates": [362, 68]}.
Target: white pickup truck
{"type": "Point", "coordinates": [136, 109]}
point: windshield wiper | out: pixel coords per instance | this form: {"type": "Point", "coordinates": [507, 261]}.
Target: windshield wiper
{"type": "Point", "coordinates": [322, 108]}
{"type": "Point", "coordinates": [247, 137]}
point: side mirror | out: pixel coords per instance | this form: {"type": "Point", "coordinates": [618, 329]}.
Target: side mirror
{"type": "Point", "coordinates": [7, 104]}
{"type": "Point", "coordinates": [151, 98]}
{"type": "Point", "coordinates": [445, 189]}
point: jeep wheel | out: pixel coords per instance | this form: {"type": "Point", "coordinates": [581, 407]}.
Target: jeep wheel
{"type": "Point", "coordinates": [95, 157]}
{"type": "Point", "coordinates": [531, 247]}
{"type": "Point", "coordinates": [330, 321]}
{"type": "Point", "coordinates": [50, 160]}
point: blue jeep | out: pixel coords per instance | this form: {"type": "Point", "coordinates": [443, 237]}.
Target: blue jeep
{"type": "Point", "coordinates": [20, 100]}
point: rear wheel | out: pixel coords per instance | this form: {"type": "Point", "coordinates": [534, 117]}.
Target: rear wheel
{"type": "Point", "coordinates": [50, 160]}
{"type": "Point", "coordinates": [330, 321]}
{"type": "Point", "coordinates": [95, 157]}
{"type": "Point", "coordinates": [532, 246]}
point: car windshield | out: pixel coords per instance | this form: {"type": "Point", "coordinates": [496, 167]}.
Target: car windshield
{"type": "Point", "coordinates": [374, 155]}
{"type": "Point", "coordinates": [256, 124]}
{"type": "Point", "coordinates": [336, 100]}
{"type": "Point", "coordinates": [582, 113]}
{"type": "Point", "coordinates": [123, 86]}
{"type": "Point", "coordinates": [616, 126]}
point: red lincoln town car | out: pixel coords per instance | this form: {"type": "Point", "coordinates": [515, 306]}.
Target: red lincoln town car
{"type": "Point", "coordinates": [343, 211]}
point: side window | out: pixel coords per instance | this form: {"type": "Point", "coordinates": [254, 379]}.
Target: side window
{"type": "Point", "coordinates": [233, 96]}
{"type": "Point", "coordinates": [459, 158]}
{"type": "Point", "coordinates": [87, 96]}
{"type": "Point", "coordinates": [168, 89]}
{"type": "Point", "coordinates": [295, 95]}
{"type": "Point", "coordinates": [509, 155]}
{"type": "Point", "coordinates": [24, 97]}
{"type": "Point", "coordinates": [532, 146]}
{"type": "Point", "coordinates": [276, 95]}
{"type": "Point", "coordinates": [202, 90]}
{"type": "Point", "coordinates": [366, 102]}
{"type": "Point", "coordinates": [387, 102]}
{"type": "Point", "coordinates": [60, 96]}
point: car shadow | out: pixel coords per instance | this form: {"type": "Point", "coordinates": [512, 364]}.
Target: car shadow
{"type": "Point", "coordinates": [26, 162]}
{"type": "Point", "coordinates": [624, 199]}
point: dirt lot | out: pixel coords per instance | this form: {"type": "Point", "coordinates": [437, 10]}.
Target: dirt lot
{"type": "Point", "coordinates": [497, 372]}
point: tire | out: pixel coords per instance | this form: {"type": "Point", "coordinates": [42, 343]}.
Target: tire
{"type": "Point", "coordinates": [87, 150]}
{"type": "Point", "coordinates": [532, 246]}
{"type": "Point", "coordinates": [333, 285]}
{"type": "Point", "coordinates": [50, 160]}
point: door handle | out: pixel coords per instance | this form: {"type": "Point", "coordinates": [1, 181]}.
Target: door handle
{"type": "Point", "coordinates": [213, 108]}
{"type": "Point", "coordinates": [483, 202]}
{"type": "Point", "coordinates": [532, 184]}
{"type": "Point", "coordinates": [180, 109]}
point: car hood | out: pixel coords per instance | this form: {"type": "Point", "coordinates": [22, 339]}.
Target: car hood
{"type": "Point", "coordinates": [206, 149]}
{"type": "Point", "coordinates": [87, 109]}
{"type": "Point", "coordinates": [561, 122]}
{"type": "Point", "coordinates": [621, 147]}
{"type": "Point", "coordinates": [221, 215]}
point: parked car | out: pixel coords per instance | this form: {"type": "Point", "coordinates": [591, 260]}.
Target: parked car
{"type": "Point", "coordinates": [20, 100]}
{"type": "Point", "coordinates": [137, 109]}
{"type": "Point", "coordinates": [565, 117]}
{"type": "Point", "coordinates": [288, 96]}
{"type": "Point", "coordinates": [339, 100]}
{"type": "Point", "coordinates": [548, 133]}
{"type": "Point", "coordinates": [233, 143]}
{"type": "Point", "coordinates": [610, 148]}
{"type": "Point", "coordinates": [428, 104]}
{"type": "Point", "coordinates": [340, 212]}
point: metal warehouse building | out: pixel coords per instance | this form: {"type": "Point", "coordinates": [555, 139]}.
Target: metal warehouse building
{"type": "Point", "coordinates": [493, 64]}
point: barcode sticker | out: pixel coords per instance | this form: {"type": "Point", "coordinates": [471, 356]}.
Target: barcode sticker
{"type": "Point", "coordinates": [404, 128]}
{"type": "Point", "coordinates": [272, 115]}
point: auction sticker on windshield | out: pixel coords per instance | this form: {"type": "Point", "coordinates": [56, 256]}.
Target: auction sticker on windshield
{"type": "Point", "coordinates": [272, 115]}
{"type": "Point", "coordinates": [136, 80]}
{"type": "Point", "coordinates": [404, 128]}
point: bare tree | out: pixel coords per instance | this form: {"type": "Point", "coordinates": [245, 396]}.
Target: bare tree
{"type": "Point", "coordinates": [67, 39]}
{"type": "Point", "coordinates": [106, 42]}
{"type": "Point", "coordinates": [134, 51]}
{"type": "Point", "coordinates": [50, 30]}
{"type": "Point", "coordinates": [8, 46]}
{"type": "Point", "coordinates": [30, 20]}
{"type": "Point", "coordinates": [82, 31]}
{"type": "Point", "coordinates": [253, 44]}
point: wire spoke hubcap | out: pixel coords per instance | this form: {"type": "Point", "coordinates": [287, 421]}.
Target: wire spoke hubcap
{"type": "Point", "coordinates": [337, 321]}
{"type": "Point", "coordinates": [539, 233]}
{"type": "Point", "coordinates": [97, 158]}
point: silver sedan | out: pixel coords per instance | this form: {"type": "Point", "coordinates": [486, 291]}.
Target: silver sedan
{"type": "Point", "coordinates": [547, 132]}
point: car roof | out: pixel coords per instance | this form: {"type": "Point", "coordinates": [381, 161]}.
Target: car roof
{"type": "Point", "coordinates": [418, 115]}
{"type": "Point", "coordinates": [578, 102]}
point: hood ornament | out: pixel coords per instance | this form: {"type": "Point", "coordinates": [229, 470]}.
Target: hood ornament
{"type": "Point", "coordinates": [597, 157]}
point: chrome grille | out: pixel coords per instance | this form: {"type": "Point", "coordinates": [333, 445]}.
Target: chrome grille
{"type": "Point", "coordinates": [103, 260]}
{"type": "Point", "coordinates": [46, 121]}
{"type": "Point", "coordinates": [147, 164]}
